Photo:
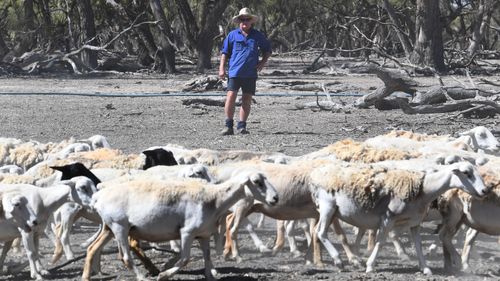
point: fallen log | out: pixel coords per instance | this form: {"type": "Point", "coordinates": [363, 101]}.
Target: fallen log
{"type": "Point", "coordinates": [393, 81]}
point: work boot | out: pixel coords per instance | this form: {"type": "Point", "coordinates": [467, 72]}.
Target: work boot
{"type": "Point", "coordinates": [227, 131]}
{"type": "Point", "coordinates": [243, 131]}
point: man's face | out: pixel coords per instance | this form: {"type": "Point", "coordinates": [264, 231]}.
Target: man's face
{"type": "Point", "coordinates": [245, 23]}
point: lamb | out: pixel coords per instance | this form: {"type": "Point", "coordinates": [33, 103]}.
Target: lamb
{"type": "Point", "coordinates": [43, 201]}
{"type": "Point", "coordinates": [291, 182]}
{"type": "Point", "coordinates": [186, 209]}
{"type": "Point", "coordinates": [458, 207]}
{"type": "Point", "coordinates": [15, 215]}
{"type": "Point", "coordinates": [377, 198]}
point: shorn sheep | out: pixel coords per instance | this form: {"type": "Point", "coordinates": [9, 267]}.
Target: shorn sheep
{"type": "Point", "coordinates": [43, 201]}
{"type": "Point", "coordinates": [377, 198]}
{"type": "Point", "coordinates": [458, 207]}
{"type": "Point", "coordinates": [15, 215]}
{"type": "Point", "coordinates": [165, 210]}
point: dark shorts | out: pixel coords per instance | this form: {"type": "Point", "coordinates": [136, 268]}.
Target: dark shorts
{"type": "Point", "coordinates": [247, 85]}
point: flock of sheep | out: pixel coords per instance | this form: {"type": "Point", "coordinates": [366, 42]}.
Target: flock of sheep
{"type": "Point", "coordinates": [384, 185]}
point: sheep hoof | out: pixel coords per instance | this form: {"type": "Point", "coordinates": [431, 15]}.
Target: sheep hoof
{"type": "Point", "coordinates": [339, 263]}
{"type": "Point", "coordinates": [263, 249]}
{"type": "Point", "coordinates": [356, 262]}
{"type": "Point", "coordinates": [238, 259]}
{"type": "Point", "coordinates": [163, 276]}
{"type": "Point", "coordinates": [369, 269]}
{"type": "Point", "coordinates": [427, 271]}
{"type": "Point", "coordinates": [296, 254]}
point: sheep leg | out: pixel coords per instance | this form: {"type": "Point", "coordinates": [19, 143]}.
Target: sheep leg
{"type": "Point", "coordinates": [38, 264]}
{"type": "Point", "coordinates": [372, 236]}
{"type": "Point", "coordinates": [417, 239]}
{"type": "Point", "coordinates": [470, 237]}
{"type": "Point", "coordinates": [219, 237]}
{"type": "Point", "coordinates": [314, 249]}
{"type": "Point", "coordinates": [400, 250]}
{"type": "Point", "coordinates": [228, 244]}
{"type": "Point", "coordinates": [16, 246]}
{"type": "Point", "coordinates": [353, 258]}
{"type": "Point", "coordinates": [260, 223]}
{"type": "Point", "coordinates": [210, 271]}
{"type": "Point", "coordinates": [186, 242]}
{"type": "Point", "coordinates": [385, 225]}
{"type": "Point", "coordinates": [6, 247]}
{"type": "Point", "coordinates": [325, 219]}
{"type": "Point", "coordinates": [148, 264]}
{"type": "Point", "coordinates": [451, 224]}
{"type": "Point", "coordinates": [29, 247]}
{"type": "Point", "coordinates": [290, 227]}
{"type": "Point", "coordinates": [94, 249]}
{"type": "Point", "coordinates": [121, 236]}
{"type": "Point", "coordinates": [256, 240]}
{"type": "Point", "coordinates": [304, 225]}
{"type": "Point", "coordinates": [280, 236]}
{"type": "Point", "coordinates": [359, 236]}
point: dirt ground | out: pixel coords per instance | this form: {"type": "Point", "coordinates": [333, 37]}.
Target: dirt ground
{"type": "Point", "coordinates": [148, 110]}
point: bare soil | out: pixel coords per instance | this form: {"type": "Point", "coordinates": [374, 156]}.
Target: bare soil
{"type": "Point", "coordinates": [56, 108]}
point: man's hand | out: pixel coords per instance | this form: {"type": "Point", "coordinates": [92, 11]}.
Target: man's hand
{"type": "Point", "coordinates": [222, 74]}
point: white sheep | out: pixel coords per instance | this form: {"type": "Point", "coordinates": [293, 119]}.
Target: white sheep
{"type": "Point", "coordinates": [166, 210]}
{"type": "Point", "coordinates": [292, 184]}
{"type": "Point", "coordinates": [43, 201]}
{"type": "Point", "coordinates": [377, 198]}
{"type": "Point", "coordinates": [458, 207]}
{"type": "Point", "coordinates": [15, 215]}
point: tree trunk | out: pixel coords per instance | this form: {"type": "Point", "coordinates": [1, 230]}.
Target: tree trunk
{"type": "Point", "coordinates": [165, 36]}
{"type": "Point", "coordinates": [27, 41]}
{"type": "Point", "coordinates": [3, 47]}
{"type": "Point", "coordinates": [428, 50]}
{"type": "Point", "coordinates": [480, 23]}
{"type": "Point", "coordinates": [201, 31]}
{"type": "Point", "coordinates": [401, 36]}
{"type": "Point", "coordinates": [48, 26]}
{"type": "Point", "coordinates": [88, 33]}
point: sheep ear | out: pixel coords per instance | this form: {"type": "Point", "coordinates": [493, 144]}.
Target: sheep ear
{"type": "Point", "coordinates": [69, 183]}
{"type": "Point", "coordinates": [57, 168]}
{"type": "Point", "coordinates": [466, 133]}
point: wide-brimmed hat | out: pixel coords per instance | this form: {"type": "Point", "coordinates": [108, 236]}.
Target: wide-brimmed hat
{"type": "Point", "coordinates": [245, 12]}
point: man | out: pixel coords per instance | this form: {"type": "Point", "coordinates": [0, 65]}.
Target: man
{"type": "Point", "coordinates": [241, 47]}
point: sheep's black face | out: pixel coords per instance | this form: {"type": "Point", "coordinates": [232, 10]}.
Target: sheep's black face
{"type": "Point", "coordinates": [158, 157]}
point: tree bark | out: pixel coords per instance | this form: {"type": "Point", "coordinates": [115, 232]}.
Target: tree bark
{"type": "Point", "coordinates": [165, 36]}
{"type": "Point", "coordinates": [3, 47]}
{"type": "Point", "coordinates": [480, 23]}
{"type": "Point", "coordinates": [402, 37]}
{"type": "Point", "coordinates": [428, 50]}
{"type": "Point", "coordinates": [201, 31]}
{"type": "Point", "coordinates": [88, 33]}
{"type": "Point", "coordinates": [27, 41]}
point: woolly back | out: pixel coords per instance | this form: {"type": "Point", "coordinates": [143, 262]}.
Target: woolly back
{"type": "Point", "coordinates": [352, 151]}
{"type": "Point", "coordinates": [414, 136]}
{"type": "Point", "coordinates": [16, 179]}
{"type": "Point", "coordinates": [171, 191]}
{"type": "Point", "coordinates": [367, 185]}
{"type": "Point", "coordinates": [129, 161]}
{"type": "Point", "coordinates": [4, 152]}
{"type": "Point", "coordinates": [26, 155]}
{"type": "Point", "coordinates": [101, 154]}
